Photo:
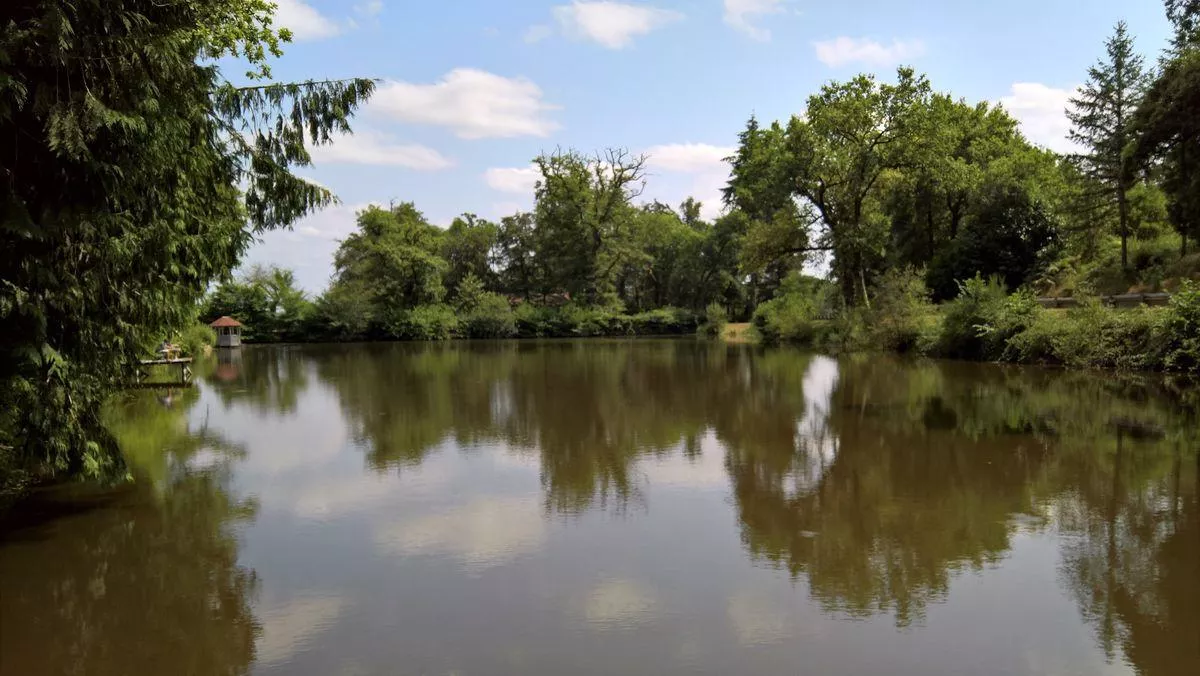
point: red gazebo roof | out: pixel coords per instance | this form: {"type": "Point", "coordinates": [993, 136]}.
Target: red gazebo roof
{"type": "Point", "coordinates": [225, 322]}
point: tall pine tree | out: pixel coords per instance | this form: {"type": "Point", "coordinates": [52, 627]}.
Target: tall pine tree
{"type": "Point", "coordinates": [1101, 115]}
{"type": "Point", "coordinates": [1185, 15]}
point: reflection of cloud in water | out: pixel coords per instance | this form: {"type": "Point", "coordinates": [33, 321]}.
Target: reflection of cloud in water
{"type": "Point", "coordinates": [204, 460]}
{"type": "Point", "coordinates": [312, 436]}
{"type": "Point", "coordinates": [479, 535]}
{"type": "Point", "coordinates": [813, 437]}
{"type": "Point", "coordinates": [619, 604]}
{"type": "Point", "coordinates": [757, 619]}
{"type": "Point", "coordinates": [288, 626]}
{"type": "Point", "coordinates": [332, 498]}
{"type": "Point", "coordinates": [707, 471]}
{"type": "Point", "coordinates": [324, 495]}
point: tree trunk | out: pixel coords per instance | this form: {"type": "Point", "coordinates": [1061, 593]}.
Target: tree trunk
{"type": "Point", "coordinates": [1123, 211]}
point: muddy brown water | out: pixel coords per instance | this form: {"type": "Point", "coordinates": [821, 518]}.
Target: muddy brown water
{"type": "Point", "coordinates": [621, 507]}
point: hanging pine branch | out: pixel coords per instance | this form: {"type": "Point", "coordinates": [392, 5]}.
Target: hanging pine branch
{"type": "Point", "coordinates": [132, 174]}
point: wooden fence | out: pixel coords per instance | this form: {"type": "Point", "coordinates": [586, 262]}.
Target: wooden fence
{"type": "Point", "coordinates": [1125, 300]}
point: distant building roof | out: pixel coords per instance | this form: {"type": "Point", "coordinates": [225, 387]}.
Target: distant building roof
{"type": "Point", "coordinates": [225, 322]}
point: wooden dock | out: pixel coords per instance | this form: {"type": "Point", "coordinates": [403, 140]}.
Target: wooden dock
{"type": "Point", "coordinates": [183, 363]}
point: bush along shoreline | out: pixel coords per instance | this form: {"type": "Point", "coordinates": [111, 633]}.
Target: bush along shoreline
{"type": "Point", "coordinates": [986, 323]}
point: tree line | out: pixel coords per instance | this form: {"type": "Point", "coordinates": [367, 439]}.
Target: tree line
{"type": "Point", "coordinates": [875, 180]}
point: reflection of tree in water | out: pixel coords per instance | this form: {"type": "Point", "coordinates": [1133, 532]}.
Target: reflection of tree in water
{"type": "Point", "coordinates": [402, 400]}
{"type": "Point", "coordinates": [266, 378]}
{"type": "Point", "coordinates": [587, 410]}
{"type": "Point", "coordinates": [151, 428]}
{"type": "Point", "coordinates": [885, 521]}
{"type": "Point", "coordinates": [932, 463]}
{"type": "Point", "coordinates": [876, 479]}
{"type": "Point", "coordinates": [1133, 562]}
{"type": "Point", "coordinates": [143, 580]}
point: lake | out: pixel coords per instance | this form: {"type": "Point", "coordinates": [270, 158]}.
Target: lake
{"type": "Point", "coordinates": [621, 507]}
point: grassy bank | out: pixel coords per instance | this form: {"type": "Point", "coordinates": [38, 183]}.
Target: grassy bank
{"type": "Point", "coordinates": [985, 323]}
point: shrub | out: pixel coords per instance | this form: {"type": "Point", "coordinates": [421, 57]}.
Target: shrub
{"type": "Point", "coordinates": [664, 321]}
{"type": "Point", "coordinates": [1181, 329]}
{"type": "Point", "coordinates": [789, 317]}
{"type": "Point", "coordinates": [978, 305]}
{"type": "Point", "coordinates": [197, 339]}
{"type": "Point", "coordinates": [424, 322]}
{"type": "Point", "coordinates": [847, 331]}
{"type": "Point", "coordinates": [588, 321]}
{"type": "Point", "coordinates": [901, 315]}
{"type": "Point", "coordinates": [491, 317]}
{"type": "Point", "coordinates": [1151, 263]}
{"type": "Point", "coordinates": [536, 321]}
{"type": "Point", "coordinates": [715, 320]}
{"type": "Point", "coordinates": [343, 312]}
{"type": "Point", "coordinates": [469, 294]}
{"type": "Point", "coordinates": [1092, 335]}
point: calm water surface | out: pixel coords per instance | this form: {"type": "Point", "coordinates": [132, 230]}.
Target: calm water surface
{"type": "Point", "coordinates": [651, 507]}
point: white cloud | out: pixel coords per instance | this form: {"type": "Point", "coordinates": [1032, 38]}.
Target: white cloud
{"type": "Point", "coordinates": [474, 103]}
{"type": "Point", "coordinates": [706, 166]}
{"type": "Point", "coordinates": [369, 8]}
{"type": "Point", "coordinates": [537, 33]}
{"type": "Point", "coordinates": [1041, 110]}
{"type": "Point", "coordinates": [378, 148]}
{"type": "Point", "coordinates": [707, 188]}
{"type": "Point", "coordinates": [305, 22]}
{"type": "Point", "coordinates": [611, 24]}
{"type": "Point", "coordinates": [503, 209]}
{"type": "Point", "coordinates": [308, 247]}
{"type": "Point", "coordinates": [843, 50]}
{"type": "Point", "coordinates": [689, 157]}
{"type": "Point", "coordinates": [520, 180]}
{"type": "Point", "coordinates": [740, 13]}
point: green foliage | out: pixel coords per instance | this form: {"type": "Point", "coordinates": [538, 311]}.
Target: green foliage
{"type": "Point", "coordinates": [585, 219]}
{"type": "Point", "coordinates": [343, 312]}
{"type": "Point", "coordinates": [715, 320]}
{"type": "Point", "coordinates": [964, 332]}
{"type": "Point", "coordinates": [1181, 329]}
{"type": "Point", "coordinates": [1011, 237]}
{"type": "Point", "coordinates": [489, 317]}
{"type": "Point", "coordinates": [129, 191]}
{"type": "Point", "coordinates": [852, 134]}
{"type": "Point", "coordinates": [266, 301]}
{"type": "Point", "coordinates": [538, 321]}
{"type": "Point", "coordinates": [396, 256]}
{"type": "Point", "coordinates": [467, 247]}
{"type": "Point", "coordinates": [595, 320]}
{"type": "Point", "coordinates": [197, 339]}
{"type": "Point", "coordinates": [574, 320]}
{"type": "Point", "coordinates": [901, 317]}
{"type": "Point", "coordinates": [1101, 116]}
{"type": "Point", "coordinates": [1092, 336]}
{"type": "Point", "coordinates": [664, 321]}
{"type": "Point", "coordinates": [789, 317]}
{"type": "Point", "coordinates": [423, 322]}
{"type": "Point", "coordinates": [1168, 138]}
{"type": "Point", "coordinates": [469, 293]}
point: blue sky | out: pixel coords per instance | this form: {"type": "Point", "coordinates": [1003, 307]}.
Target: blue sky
{"type": "Point", "coordinates": [472, 90]}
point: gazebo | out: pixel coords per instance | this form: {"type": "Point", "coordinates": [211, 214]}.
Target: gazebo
{"type": "Point", "coordinates": [229, 332]}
